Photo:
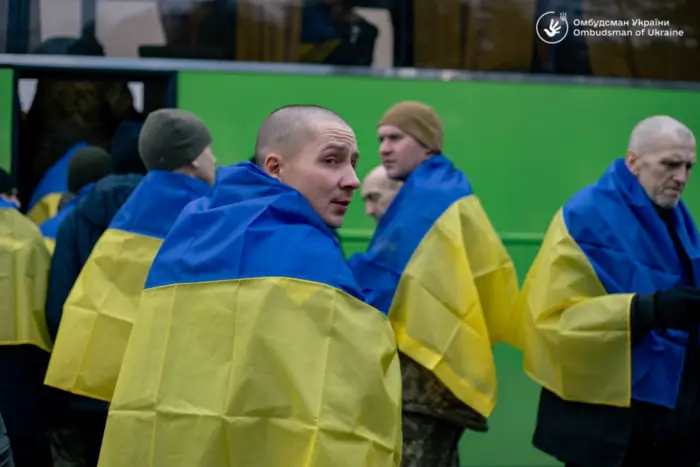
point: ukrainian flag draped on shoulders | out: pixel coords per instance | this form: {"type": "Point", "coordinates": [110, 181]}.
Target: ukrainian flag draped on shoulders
{"type": "Point", "coordinates": [24, 275]}
{"type": "Point", "coordinates": [253, 346]}
{"type": "Point", "coordinates": [436, 266]}
{"type": "Point", "coordinates": [43, 204]}
{"type": "Point", "coordinates": [102, 306]}
{"type": "Point", "coordinates": [605, 244]}
{"type": "Point", "coordinates": [49, 228]}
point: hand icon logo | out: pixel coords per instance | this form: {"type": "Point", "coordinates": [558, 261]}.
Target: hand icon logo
{"type": "Point", "coordinates": [557, 30]}
{"type": "Point", "coordinates": [553, 28]}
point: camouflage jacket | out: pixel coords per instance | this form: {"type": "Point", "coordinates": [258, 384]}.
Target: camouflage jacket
{"type": "Point", "coordinates": [433, 419]}
{"type": "Point", "coordinates": [424, 394]}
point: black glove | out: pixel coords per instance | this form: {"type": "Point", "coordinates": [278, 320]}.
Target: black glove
{"type": "Point", "coordinates": [676, 308]}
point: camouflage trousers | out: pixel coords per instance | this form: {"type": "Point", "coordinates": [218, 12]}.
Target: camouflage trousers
{"type": "Point", "coordinates": [429, 441]}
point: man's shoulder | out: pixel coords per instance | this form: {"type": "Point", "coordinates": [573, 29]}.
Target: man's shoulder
{"type": "Point", "coordinates": [110, 187]}
{"type": "Point", "coordinates": [257, 239]}
{"type": "Point", "coordinates": [220, 247]}
{"type": "Point", "coordinates": [24, 235]}
{"type": "Point", "coordinates": [117, 182]}
{"type": "Point", "coordinates": [600, 217]}
{"type": "Point", "coordinates": [102, 202]}
{"type": "Point", "coordinates": [588, 205]}
{"type": "Point", "coordinates": [79, 229]}
{"type": "Point", "coordinates": [18, 225]}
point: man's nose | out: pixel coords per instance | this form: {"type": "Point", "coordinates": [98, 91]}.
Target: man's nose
{"type": "Point", "coordinates": [350, 180]}
{"type": "Point", "coordinates": [370, 209]}
{"type": "Point", "coordinates": [385, 147]}
{"type": "Point", "coordinates": [681, 176]}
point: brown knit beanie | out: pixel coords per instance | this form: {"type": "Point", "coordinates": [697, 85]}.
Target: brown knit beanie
{"type": "Point", "coordinates": [419, 121]}
{"type": "Point", "coordinates": [172, 138]}
{"type": "Point", "coordinates": [88, 165]}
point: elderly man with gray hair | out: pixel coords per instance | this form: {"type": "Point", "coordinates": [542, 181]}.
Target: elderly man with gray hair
{"type": "Point", "coordinates": [611, 308]}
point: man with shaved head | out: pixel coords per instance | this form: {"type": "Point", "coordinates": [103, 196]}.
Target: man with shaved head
{"type": "Point", "coordinates": [262, 351]}
{"type": "Point", "coordinates": [315, 151]}
{"type": "Point", "coordinates": [611, 309]}
{"type": "Point", "coordinates": [378, 190]}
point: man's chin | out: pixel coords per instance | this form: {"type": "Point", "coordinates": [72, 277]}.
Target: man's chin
{"type": "Point", "coordinates": [667, 203]}
{"type": "Point", "coordinates": [394, 173]}
{"type": "Point", "coordinates": [334, 222]}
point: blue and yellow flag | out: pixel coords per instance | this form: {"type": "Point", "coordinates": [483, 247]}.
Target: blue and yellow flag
{"type": "Point", "coordinates": [436, 266]}
{"type": "Point", "coordinates": [24, 276]}
{"type": "Point", "coordinates": [101, 308]}
{"type": "Point", "coordinates": [605, 244]}
{"type": "Point", "coordinates": [43, 204]}
{"type": "Point", "coordinates": [319, 35]}
{"type": "Point", "coordinates": [49, 228]}
{"type": "Point", "coordinates": [253, 346]}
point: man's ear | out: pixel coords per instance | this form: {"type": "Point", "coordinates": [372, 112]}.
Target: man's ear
{"type": "Point", "coordinates": [632, 162]}
{"type": "Point", "coordinates": [273, 166]}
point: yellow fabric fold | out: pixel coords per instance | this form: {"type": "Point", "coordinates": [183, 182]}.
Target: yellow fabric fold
{"type": "Point", "coordinates": [270, 372]}
{"type": "Point", "coordinates": [578, 342]}
{"type": "Point", "coordinates": [24, 275]}
{"type": "Point", "coordinates": [45, 209]}
{"type": "Point", "coordinates": [455, 300]}
{"type": "Point", "coordinates": [99, 313]}
{"type": "Point", "coordinates": [50, 244]}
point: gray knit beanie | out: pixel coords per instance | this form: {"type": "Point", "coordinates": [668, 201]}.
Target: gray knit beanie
{"type": "Point", "coordinates": [172, 138]}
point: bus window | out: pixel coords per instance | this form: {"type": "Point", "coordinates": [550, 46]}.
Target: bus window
{"type": "Point", "coordinates": [474, 35]}
{"type": "Point", "coordinates": [666, 56]}
{"type": "Point", "coordinates": [268, 32]}
{"type": "Point", "coordinates": [494, 35]}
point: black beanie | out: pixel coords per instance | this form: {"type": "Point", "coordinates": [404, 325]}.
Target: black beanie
{"type": "Point", "coordinates": [172, 138]}
{"type": "Point", "coordinates": [125, 149]}
{"type": "Point", "coordinates": [87, 165]}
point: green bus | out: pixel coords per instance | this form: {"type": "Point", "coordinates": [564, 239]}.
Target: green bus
{"type": "Point", "coordinates": [530, 122]}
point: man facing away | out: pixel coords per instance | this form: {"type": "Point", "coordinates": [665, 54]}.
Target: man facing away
{"type": "Point", "coordinates": [437, 268]}
{"type": "Point", "coordinates": [378, 191]}
{"type": "Point", "coordinates": [88, 165]}
{"type": "Point", "coordinates": [176, 149]}
{"type": "Point", "coordinates": [24, 340]}
{"type": "Point", "coordinates": [80, 426]}
{"type": "Point", "coordinates": [611, 309]}
{"type": "Point", "coordinates": [253, 346]}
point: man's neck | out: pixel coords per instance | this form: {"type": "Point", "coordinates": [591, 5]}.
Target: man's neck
{"type": "Point", "coordinates": [666, 214]}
